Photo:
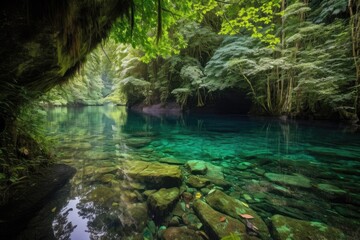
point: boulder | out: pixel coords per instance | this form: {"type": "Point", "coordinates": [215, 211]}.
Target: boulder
{"type": "Point", "coordinates": [180, 233]}
{"type": "Point", "coordinates": [197, 167]}
{"type": "Point", "coordinates": [289, 228]}
{"type": "Point", "coordinates": [214, 172]}
{"type": "Point", "coordinates": [161, 202]}
{"type": "Point", "coordinates": [197, 182]}
{"type": "Point", "coordinates": [201, 182]}
{"type": "Point", "coordinates": [214, 227]}
{"type": "Point", "coordinates": [152, 174]}
{"type": "Point", "coordinates": [295, 180]}
{"type": "Point", "coordinates": [233, 207]}
{"type": "Point", "coordinates": [28, 197]}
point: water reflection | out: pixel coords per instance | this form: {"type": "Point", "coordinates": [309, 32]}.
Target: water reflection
{"type": "Point", "coordinates": [257, 157]}
{"type": "Point", "coordinates": [69, 224]}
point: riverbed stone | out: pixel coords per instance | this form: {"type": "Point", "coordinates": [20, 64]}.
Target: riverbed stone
{"type": "Point", "coordinates": [217, 229]}
{"type": "Point", "coordinates": [280, 190]}
{"type": "Point", "coordinates": [197, 182]}
{"type": "Point", "coordinates": [162, 201]}
{"type": "Point", "coordinates": [153, 174]}
{"type": "Point", "coordinates": [330, 189]}
{"type": "Point", "coordinates": [221, 183]}
{"type": "Point", "coordinates": [104, 170]}
{"type": "Point", "coordinates": [289, 228]}
{"type": "Point", "coordinates": [197, 167]}
{"type": "Point", "coordinates": [192, 221]}
{"type": "Point", "coordinates": [180, 233]}
{"type": "Point", "coordinates": [94, 155]}
{"type": "Point", "coordinates": [138, 214]}
{"type": "Point", "coordinates": [179, 209]}
{"type": "Point", "coordinates": [214, 172]}
{"type": "Point", "coordinates": [233, 207]}
{"type": "Point", "coordinates": [103, 195]}
{"type": "Point", "coordinates": [107, 178]}
{"type": "Point", "coordinates": [170, 160]}
{"type": "Point", "coordinates": [295, 180]}
{"type": "Point", "coordinates": [137, 142]}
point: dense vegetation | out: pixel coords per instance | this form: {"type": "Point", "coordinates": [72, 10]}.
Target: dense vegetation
{"type": "Point", "coordinates": [294, 58]}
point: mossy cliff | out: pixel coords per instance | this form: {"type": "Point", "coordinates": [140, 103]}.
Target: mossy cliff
{"type": "Point", "coordinates": [44, 42]}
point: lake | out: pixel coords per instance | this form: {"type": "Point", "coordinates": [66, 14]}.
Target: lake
{"type": "Point", "coordinates": [300, 174]}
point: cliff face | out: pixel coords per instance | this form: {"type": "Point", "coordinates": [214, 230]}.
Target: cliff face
{"type": "Point", "coordinates": [43, 42]}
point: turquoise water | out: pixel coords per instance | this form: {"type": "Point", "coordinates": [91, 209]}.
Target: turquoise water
{"type": "Point", "coordinates": [255, 155]}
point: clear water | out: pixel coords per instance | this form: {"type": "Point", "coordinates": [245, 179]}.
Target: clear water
{"type": "Point", "coordinates": [94, 139]}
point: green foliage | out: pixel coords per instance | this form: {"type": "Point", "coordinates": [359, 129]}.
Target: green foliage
{"type": "Point", "coordinates": [326, 11]}
{"type": "Point", "coordinates": [310, 71]}
{"type": "Point", "coordinates": [255, 17]}
{"type": "Point", "coordinates": [307, 70]}
{"type": "Point", "coordinates": [24, 147]}
{"type": "Point", "coordinates": [144, 34]}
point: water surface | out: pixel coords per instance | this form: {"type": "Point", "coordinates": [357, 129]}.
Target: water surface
{"type": "Point", "coordinates": [97, 139]}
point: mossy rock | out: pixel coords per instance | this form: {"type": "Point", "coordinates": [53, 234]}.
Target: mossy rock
{"type": "Point", "coordinates": [197, 182]}
{"type": "Point", "coordinates": [233, 207]}
{"type": "Point", "coordinates": [197, 167]}
{"type": "Point", "coordinates": [153, 174]}
{"type": "Point", "coordinates": [180, 233]}
{"type": "Point", "coordinates": [161, 202]}
{"type": "Point", "coordinates": [217, 229]}
{"type": "Point", "coordinates": [285, 228]}
{"type": "Point", "coordinates": [295, 180]}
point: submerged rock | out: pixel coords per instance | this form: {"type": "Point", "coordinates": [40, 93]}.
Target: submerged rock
{"type": "Point", "coordinates": [331, 189]}
{"type": "Point", "coordinates": [233, 207]}
{"type": "Point", "coordinates": [214, 172]}
{"type": "Point", "coordinates": [104, 170]}
{"type": "Point", "coordinates": [107, 178]}
{"type": "Point", "coordinates": [93, 155]}
{"type": "Point", "coordinates": [180, 233]}
{"type": "Point", "coordinates": [292, 180]}
{"type": "Point", "coordinates": [138, 214]}
{"type": "Point", "coordinates": [103, 195]}
{"type": "Point", "coordinates": [137, 142]}
{"type": "Point", "coordinates": [217, 229]}
{"type": "Point", "coordinates": [197, 167]}
{"type": "Point", "coordinates": [162, 201]}
{"type": "Point", "coordinates": [153, 174]}
{"type": "Point", "coordinates": [289, 228]}
{"type": "Point", "coordinates": [192, 221]}
{"type": "Point", "coordinates": [197, 182]}
{"type": "Point", "coordinates": [170, 160]}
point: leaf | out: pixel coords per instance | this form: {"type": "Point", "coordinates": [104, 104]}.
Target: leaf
{"type": "Point", "coordinates": [246, 216]}
{"type": "Point", "coordinates": [53, 210]}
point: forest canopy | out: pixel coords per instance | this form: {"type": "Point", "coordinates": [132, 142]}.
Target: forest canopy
{"type": "Point", "coordinates": [298, 58]}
